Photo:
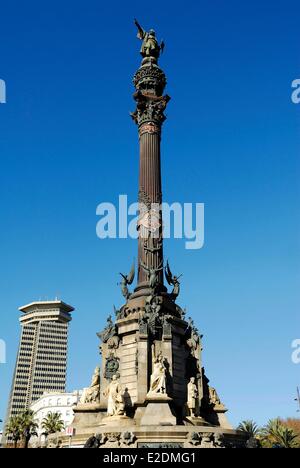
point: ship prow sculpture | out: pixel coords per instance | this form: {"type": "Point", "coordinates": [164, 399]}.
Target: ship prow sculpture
{"type": "Point", "coordinates": [151, 389]}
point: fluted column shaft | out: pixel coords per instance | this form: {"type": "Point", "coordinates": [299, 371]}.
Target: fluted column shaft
{"type": "Point", "coordinates": [150, 82]}
{"type": "Point", "coordinates": [150, 246]}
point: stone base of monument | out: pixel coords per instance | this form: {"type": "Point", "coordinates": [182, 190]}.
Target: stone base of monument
{"type": "Point", "coordinates": [221, 411]}
{"type": "Point", "coordinates": [117, 421]}
{"type": "Point", "coordinates": [87, 407]}
{"type": "Point", "coordinates": [195, 421]}
{"type": "Point", "coordinates": [154, 436]}
{"type": "Point", "coordinates": [158, 411]}
{"type": "Point", "coordinates": [88, 415]}
{"type": "Point", "coordinates": [153, 426]}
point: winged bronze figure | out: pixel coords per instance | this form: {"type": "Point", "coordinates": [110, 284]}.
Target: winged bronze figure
{"type": "Point", "coordinates": [152, 274]}
{"type": "Point", "coordinates": [172, 280]}
{"type": "Point", "coordinates": [127, 280]}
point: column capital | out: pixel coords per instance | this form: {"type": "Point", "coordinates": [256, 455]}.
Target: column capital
{"type": "Point", "coordinates": [149, 108]}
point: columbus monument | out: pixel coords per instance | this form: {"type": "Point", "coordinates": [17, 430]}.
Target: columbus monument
{"type": "Point", "coordinates": [151, 389]}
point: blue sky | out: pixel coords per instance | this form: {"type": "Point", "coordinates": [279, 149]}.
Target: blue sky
{"type": "Point", "coordinates": [231, 141]}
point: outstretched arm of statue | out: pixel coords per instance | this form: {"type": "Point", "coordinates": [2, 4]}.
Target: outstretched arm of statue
{"type": "Point", "coordinates": [141, 32]}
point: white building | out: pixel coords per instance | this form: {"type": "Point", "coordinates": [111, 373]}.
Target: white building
{"type": "Point", "coordinates": [54, 402]}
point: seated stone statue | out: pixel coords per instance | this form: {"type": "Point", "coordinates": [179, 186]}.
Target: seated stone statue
{"type": "Point", "coordinates": [92, 394]}
{"type": "Point", "coordinates": [214, 397]}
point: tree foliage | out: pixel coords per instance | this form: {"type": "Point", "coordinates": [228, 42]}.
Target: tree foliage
{"type": "Point", "coordinates": [13, 429]}
{"type": "Point", "coordinates": [52, 423]}
{"type": "Point", "coordinates": [21, 428]}
{"type": "Point", "coordinates": [249, 427]}
{"type": "Point", "coordinates": [276, 434]}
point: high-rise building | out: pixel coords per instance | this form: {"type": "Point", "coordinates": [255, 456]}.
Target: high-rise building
{"type": "Point", "coordinates": [41, 363]}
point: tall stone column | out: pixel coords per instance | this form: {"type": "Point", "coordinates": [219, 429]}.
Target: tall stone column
{"type": "Point", "coordinates": [151, 353]}
{"type": "Point", "coordinates": [150, 82]}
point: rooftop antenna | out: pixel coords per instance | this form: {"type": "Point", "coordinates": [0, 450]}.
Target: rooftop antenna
{"type": "Point", "coordinates": [298, 399]}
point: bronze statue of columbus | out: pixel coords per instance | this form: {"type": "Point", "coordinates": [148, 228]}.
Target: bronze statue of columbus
{"type": "Point", "coordinates": [150, 47]}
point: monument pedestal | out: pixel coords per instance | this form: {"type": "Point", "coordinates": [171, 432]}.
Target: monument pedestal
{"type": "Point", "coordinates": [117, 421]}
{"type": "Point", "coordinates": [153, 436]}
{"type": "Point", "coordinates": [158, 411]}
{"type": "Point", "coordinates": [88, 415]}
{"type": "Point", "coordinates": [88, 407]}
{"type": "Point", "coordinates": [196, 421]}
{"type": "Point", "coordinates": [221, 411]}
